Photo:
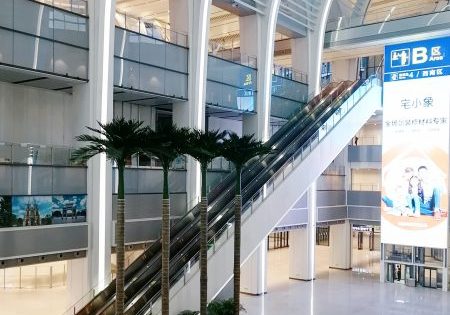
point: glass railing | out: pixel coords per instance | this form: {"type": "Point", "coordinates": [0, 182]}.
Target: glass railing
{"type": "Point", "coordinates": [75, 6]}
{"type": "Point", "coordinates": [250, 207]}
{"type": "Point", "coordinates": [231, 85]}
{"type": "Point", "coordinates": [147, 64]}
{"type": "Point", "coordinates": [44, 38]}
{"type": "Point", "coordinates": [290, 73]}
{"type": "Point", "coordinates": [46, 275]}
{"type": "Point", "coordinates": [345, 22]}
{"type": "Point", "coordinates": [143, 275]}
{"type": "Point", "coordinates": [78, 305]}
{"type": "Point", "coordinates": [231, 52]}
{"type": "Point", "coordinates": [349, 29]}
{"type": "Point", "coordinates": [35, 154]}
{"type": "Point", "coordinates": [367, 140]}
{"type": "Point", "coordinates": [151, 28]}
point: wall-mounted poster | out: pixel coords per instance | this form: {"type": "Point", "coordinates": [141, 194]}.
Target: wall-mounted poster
{"type": "Point", "coordinates": [69, 209]}
{"type": "Point", "coordinates": [6, 216]}
{"type": "Point", "coordinates": [22, 211]}
{"type": "Point", "coordinates": [32, 210]}
{"type": "Point", "coordinates": [416, 143]}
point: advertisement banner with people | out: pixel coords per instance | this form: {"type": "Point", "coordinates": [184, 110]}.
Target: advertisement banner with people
{"type": "Point", "coordinates": [414, 199]}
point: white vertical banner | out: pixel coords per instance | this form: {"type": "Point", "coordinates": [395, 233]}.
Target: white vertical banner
{"type": "Point", "coordinates": [416, 99]}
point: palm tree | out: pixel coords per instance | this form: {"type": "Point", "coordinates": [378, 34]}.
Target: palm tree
{"type": "Point", "coordinates": [119, 140]}
{"type": "Point", "coordinates": [239, 150]}
{"type": "Point", "coordinates": [204, 146]}
{"type": "Point", "coordinates": [167, 143]}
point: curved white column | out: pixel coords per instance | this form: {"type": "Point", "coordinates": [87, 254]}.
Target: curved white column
{"type": "Point", "coordinates": [192, 17]}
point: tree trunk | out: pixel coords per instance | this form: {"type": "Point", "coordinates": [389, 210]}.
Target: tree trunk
{"type": "Point", "coordinates": [165, 246]}
{"type": "Point", "coordinates": [204, 246]}
{"type": "Point", "coordinates": [120, 242]}
{"type": "Point", "coordinates": [237, 244]}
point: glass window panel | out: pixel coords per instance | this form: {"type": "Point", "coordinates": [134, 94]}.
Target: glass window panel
{"type": "Point", "coordinates": [176, 58]}
{"type": "Point", "coordinates": [32, 52]}
{"type": "Point", "coordinates": [77, 183]}
{"type": "Point", "coordinates": [152, 51]}
{"type": "Point", "coordinates": [6, 47]}
{"type": "Point", "coordinates": [70, 28]}
{"type": "Point", "coordinates": [6, 13]}
{"type": "Point", "coordinates": [126, 73]}
{"type": "Point", "coordinates": [20, 180]}
{"type": "Point", "coordinates": [152, 79]}
{"type": "Point", "coordinates": [6, 182]}
{"type": "Point", "coordinates": [71, 61]}
{"type": "Point", "coordinates": [126, 44]}
{"type": "Point", "coordinates": [41, 180]}
{"type": "Point", "coordinates": [60, 156]}
{"type": "Point", "coordinates": [33, 18]}
{"type": "Point", "coordinates": [180, 88]}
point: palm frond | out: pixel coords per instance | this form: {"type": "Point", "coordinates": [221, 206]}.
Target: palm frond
{"type": "Point", "coordinates": [167, 143]}
{"type": "Point", "coordinates": [204, 146]}
{"type": "Point", "coordinates": [239, 150]}
{"type": "Point", "coordinates": [119, 139]}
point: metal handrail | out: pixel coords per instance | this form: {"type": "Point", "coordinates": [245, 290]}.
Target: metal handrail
{"type": "Point", "coordinates": [151, 28]}
{"type": "Point", "coordinates": [226, 231]}
{"type": "Point", "coordinates": [75, 6]}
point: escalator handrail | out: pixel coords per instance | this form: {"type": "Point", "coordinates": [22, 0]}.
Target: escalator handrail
{"type": "Point", "coordinates": [225, 208]}
{"type": "Point", "coordinates": [177, 275]}
{"type": "Point", "coordinates": [147, 258]}
{"type": "Point", "coordinates": [274, 176]}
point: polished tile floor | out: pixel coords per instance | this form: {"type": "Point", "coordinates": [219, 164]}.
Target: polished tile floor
{"type": "Point", "coordinates": [337, 292]}
{"type": "Point", "coordinates": [334, 292]}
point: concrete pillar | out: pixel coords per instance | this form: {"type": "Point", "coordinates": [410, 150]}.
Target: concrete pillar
{"type": "Point", "coordinates": [254, 271]}
{"type": "Point", "coordinates": [302, 243]}
{"type": "Point", "coordinates": [192, 17]}
{"type": "Point", "coordinates": [97, 94]}
{"type": "Point", "coordinates": [341, 246]}
{"type": "Point", "coordinates": [344, 69]}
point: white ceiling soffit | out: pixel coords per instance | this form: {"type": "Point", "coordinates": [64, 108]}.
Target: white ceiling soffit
{"type": "Point", "coordinates": [157, 10]}
{"type": "Point", "coordinates": [242, 7]}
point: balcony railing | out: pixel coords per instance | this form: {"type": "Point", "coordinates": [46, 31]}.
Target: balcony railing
{"type": "Point", "coordinates": [35, 154]}
{"type": "Point", "coordinates": [151, 28]}
{"type": "Point", "coordinates": [44, 38]}
{"type": "Point", "coordinates": [75, 6]}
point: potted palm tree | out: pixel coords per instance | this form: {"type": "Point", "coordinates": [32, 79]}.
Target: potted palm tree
{"type": "Point", "coordinates": [204, 146]}
{"type": "Point", "coordinates": [167, 143]}
{"type": "Point", "coordinates": [119, 140]}
{"type": "Point", "coordinates": [239, 150]}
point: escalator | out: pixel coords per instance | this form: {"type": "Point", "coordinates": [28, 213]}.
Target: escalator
{"type": "Point", "coordinates": [142, 277]}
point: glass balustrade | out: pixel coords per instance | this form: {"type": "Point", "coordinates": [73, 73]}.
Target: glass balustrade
{"type": "Point", "coordinates": [44, 38]}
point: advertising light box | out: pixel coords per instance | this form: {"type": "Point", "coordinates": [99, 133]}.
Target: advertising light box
{"type": "Point", "coordinates": [416, 99]}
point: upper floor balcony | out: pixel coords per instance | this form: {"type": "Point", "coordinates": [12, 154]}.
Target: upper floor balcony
{"type": "Point", "coordinates": [42, 45]}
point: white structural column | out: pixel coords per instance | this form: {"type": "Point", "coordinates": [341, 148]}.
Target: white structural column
{"type": "Point", "coordinates": [263, 41]}
{"type": "Point", "coordinates": [261, 46]}
{"type": "Point", "coordinates": [302, 242]}
{"type": "Point", "coordinates": [346, 69]}
{"type": "Point", "coordinates": [97, 96]}
{"type": "Point", "coordinates": [307, 57]}
{"type": "Point", "coordinates": [340, 246]}
{"type": "Point", "coordinates": [192, 17]}
{"type": "Point", "coordinates": [254, 271]}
